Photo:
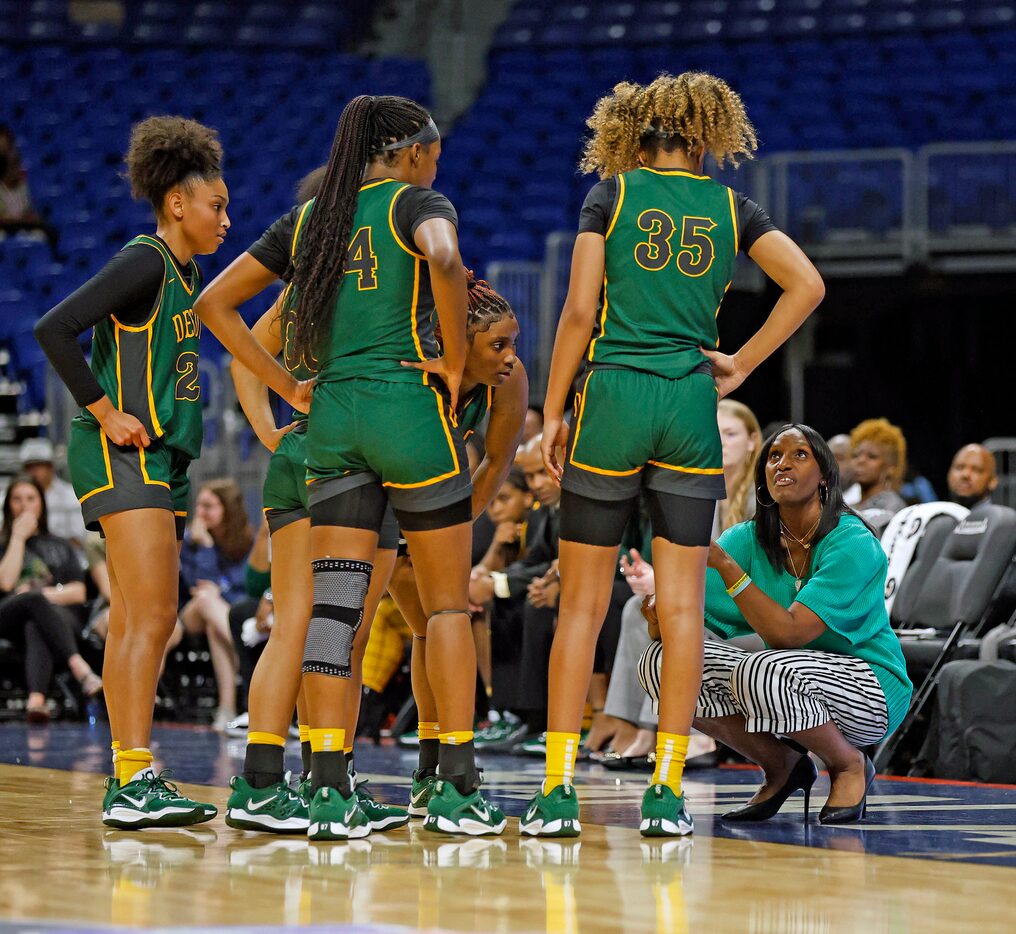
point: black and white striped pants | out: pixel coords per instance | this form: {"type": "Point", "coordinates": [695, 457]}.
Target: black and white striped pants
{"type": "Point", "coordinates": [783, 690]}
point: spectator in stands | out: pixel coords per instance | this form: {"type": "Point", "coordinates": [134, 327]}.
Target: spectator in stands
{"type": "Point", "coordinates": [62, 506]}
{"type": "Point", "coordinates": [524, 599]}
{"type": "Point", "coordinates": [534, 423]}
{"type": "Point", "coordinates": [972, 478]}
{"type": "Point", "coordinates": [213, 565]}
{"type": "Point", "coordinates": [842, 451]}
{"type": "Point", "coordinates": [808, 576]}
{"type": "Point", "coordinates": [16, 210]}
{"type": "Point", "coordinates": [879, 459]}
{"type": "Point", "coordinates": [741, 438]}
{"type": "Point", "coordinates": [41, 591]}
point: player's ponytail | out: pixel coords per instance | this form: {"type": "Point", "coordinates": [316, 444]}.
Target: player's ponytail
{"type": "Point", "coordinates": [367, 125]}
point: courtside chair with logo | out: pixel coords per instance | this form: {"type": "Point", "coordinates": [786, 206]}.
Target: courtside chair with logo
{"type": "Point", "coordinates": [952, 606]}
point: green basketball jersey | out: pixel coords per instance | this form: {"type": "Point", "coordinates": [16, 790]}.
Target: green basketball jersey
{"type": "Point", "coordinates": [670, 251]}
{"type": "Point", "coordinates": [151, 370]}
{"type": "Point", "coordinates": [378, 321]}
{"type": "Point", "coordinates": [474, 408]}
{"type": "Point", "coordinates": [302, 367]}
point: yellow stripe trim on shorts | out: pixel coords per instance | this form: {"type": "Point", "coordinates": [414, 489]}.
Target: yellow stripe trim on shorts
{"type": "Point", "coordinates": [109, 469]}
{"type": "Point", "coordinates": [451, 447]}
{"type": "Point", "coordinates": [578, 431]}
{"type": "Point", "coordinates": [707, 471]}
{"type": "Point", "coordinates": [144, 471]}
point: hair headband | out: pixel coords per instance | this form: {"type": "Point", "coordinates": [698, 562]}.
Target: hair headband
{"type": "Point", "coordinates": [426, 134]}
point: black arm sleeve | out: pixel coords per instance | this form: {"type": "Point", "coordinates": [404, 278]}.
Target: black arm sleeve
{"type": "Point", "coordinates": [598, 208]}
{"type": "Point", "coordinates": [752, 222]}
{"type": "Point", "coordinates": [274, 249]}
{"type": "Point", "coordinates": [416, 205]}
{"type": "Point", "coordinates": [127, 286]}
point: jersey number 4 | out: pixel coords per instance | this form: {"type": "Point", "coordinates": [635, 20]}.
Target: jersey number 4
{"type": "Point", "coordinates": [361, 260]}
{"type": "Point", "coordinates": [655, 253]}
{"type": "Point", "coordinates": [188, 386]}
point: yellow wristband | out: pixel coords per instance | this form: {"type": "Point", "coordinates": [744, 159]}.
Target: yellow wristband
{"type": "Point", "coordinates": [737, 587]}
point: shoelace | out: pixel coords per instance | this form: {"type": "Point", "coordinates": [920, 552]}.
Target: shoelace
{"type": "Point", "coordinates": [158, 784]}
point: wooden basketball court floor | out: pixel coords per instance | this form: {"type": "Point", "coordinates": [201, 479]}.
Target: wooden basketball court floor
{"type": "Point", "coordinates": [930, 857]}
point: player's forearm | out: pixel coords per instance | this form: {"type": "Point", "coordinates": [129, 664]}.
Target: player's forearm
{"type": "Point", "coordinates": [252, 395]}
{"type": "Point", "coordinates": [448, 282]}
{"type": "Point", "coordinates": [573, 333]}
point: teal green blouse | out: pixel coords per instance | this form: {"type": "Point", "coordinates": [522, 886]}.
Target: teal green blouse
{"type": "Point", "coordinates": [844, 586]}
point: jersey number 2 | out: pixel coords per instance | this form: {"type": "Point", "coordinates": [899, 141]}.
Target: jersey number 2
{"type": "Point", "coordinates": [697, 250]}
{"type": "Point", "coordinates": [188, 387]}
{"type": "Point", "coordinates": [362, 260]}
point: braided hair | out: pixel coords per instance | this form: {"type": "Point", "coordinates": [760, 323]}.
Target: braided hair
{"type": "Point", "coordinates": [366, 125]}
{"type": "Point", "coordinates": [486, 305]}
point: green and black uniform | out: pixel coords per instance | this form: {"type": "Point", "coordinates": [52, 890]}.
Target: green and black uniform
{"type": "Point", "coordinates": [145, 359]}
{"type": "Point", "coordinates": [646, 411]}
{"type": "Point", "coordinates": [372, 418]}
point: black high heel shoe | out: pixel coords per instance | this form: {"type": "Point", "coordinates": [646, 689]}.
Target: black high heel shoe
{"type": "Point", "coordinates": [855, 812]}
{"type": "Point", "coordinates": [802, 776]}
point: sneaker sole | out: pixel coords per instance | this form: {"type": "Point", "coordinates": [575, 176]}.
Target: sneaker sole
{"type": "Point", "coordinates": [472, 828]}
{"type": "Point", "coordinates": [244, 820]}
{"type": "Point", "coordinates": [128, 819]}
{"type": "Point", "coordinates": [417, 810]}
{"type": "Point", "coordinates": [389, 823]}
{"type": "Point", "coordinates": [329, 831]}
{"type": "Point", "coordinates": [660, 827]}
{"type": "Point", "coordinates": [565, 827]}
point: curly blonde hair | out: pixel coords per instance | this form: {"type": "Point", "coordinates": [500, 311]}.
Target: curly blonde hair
{"type": "Point", "coordinates": [691, 109]}
{"type": "Point", "coordinates": [883, 432]}
{"type": "Point", "coordinates": [737, 499]}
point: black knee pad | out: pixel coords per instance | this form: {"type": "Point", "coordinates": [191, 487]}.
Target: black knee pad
{"type": "Point", "coordinates": [683, 520]}
{"type": "Point", "coordinates": [362, 507]}
{"type": "Point", "coordinates": [340, 588]}
{"type": "Point", "coordinates": [432, 519]}
{"type": "Point", "coordinates": [589, 521]}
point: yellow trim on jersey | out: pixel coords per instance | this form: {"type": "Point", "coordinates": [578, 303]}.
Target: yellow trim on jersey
{"type": "Point", "coordinates": [578, 431]}
{"type": "Point", "coordinates": [603, 320]}
{"type": "Point", "coordinates": [707, 471]}
{"type": "Point", "coordinates": [733, 219]}
{"type": "Point", "coordinates": [144, 471]}
{"type": "Point", "coordinates": [169, 260]}
{"type": "Point", "coordinates": [381, 181]}
{"type": "Point", "coordinates": [296, 228]}
{"type": "Point", "coordinates": [391, 225]}
{"type": "Point", "coordinates": [151, 394]}
{"type": "Point", "coordinates": [617, 208]}
{"type": "Point", "coordinates": [451, 448]}
{"type": "Point", "coordinates": [412, 315]}
{"type": "Point", "coordinates": [180, 512]}
{"type": "Point", "coordinates": [685, 172]}
{"type": "Point", "coordinates": [109, 469]}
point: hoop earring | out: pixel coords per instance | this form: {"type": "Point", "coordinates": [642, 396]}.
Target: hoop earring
{"type": "Point", "coordinates": [758, 500]}
{"type": "Point", "coordinates": [823, 493]}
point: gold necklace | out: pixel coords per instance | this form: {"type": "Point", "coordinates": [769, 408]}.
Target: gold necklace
{"type": "Point", "coordinates": [798, 576]}
{"type": "Point", "coordinates": [807, 535]}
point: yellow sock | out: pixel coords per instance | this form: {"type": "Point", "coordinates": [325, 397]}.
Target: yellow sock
{"type": "Point", "coordinates": [456, 737]}
{"type": "Point", "coordinates": [348, 749]}
{"type": "Point", "coordinates": [304, 733]}
{"type": "Point", "coordinates": [428, 729]}
{"type": "Point", "coordinates": [328, 740]}
{"type": "Point", "coordinates": [265, 739]}
{"type": "Point", "coordinates": [562, 748]}
{"type": "Point", "coordinates": [131, 761]}
{"type": "Point", "coordinates": [671, 748]}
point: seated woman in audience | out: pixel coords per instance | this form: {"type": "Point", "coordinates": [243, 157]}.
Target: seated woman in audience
{"type": "Point", "coordinates": [213, 566]}
{"type": "Point", "coordinates": [808, 576]}
{"type": "Point", "coordinates": [627, 708]}
{"type": "Point", "coordinates": [879, 461]}
{"type": "Point", "coordinates": [41, 590]}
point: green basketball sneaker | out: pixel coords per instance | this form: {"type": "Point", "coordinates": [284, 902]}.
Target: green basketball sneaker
{"type": "Point", "coordinates": [553, 815]}
{"type": "Point", "coordinates": [664, 814]}
{"type": "Point", "coordinates": [420, 793]}
{"type": "Point", "coordinates": [151, 801]}
{"type": "Point", "coordinates": [275, 809]}
{"type": "Point", "coordinates": [333, 817]}
{"type": "Point", "coordinates": [450, 811]}
{"type": "Point", "coordinates": [112, 786]}
{"type": "Point", "coordinates": [379, 815]}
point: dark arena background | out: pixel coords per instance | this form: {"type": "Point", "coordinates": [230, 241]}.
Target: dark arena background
{"type": "Point", "coordinates": [887, 132]}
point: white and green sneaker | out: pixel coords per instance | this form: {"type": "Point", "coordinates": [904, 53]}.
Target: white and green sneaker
{"type": "Point", "coordinates": [381, 816]}
{"type": "Point", "coordinates": [151, 801]}
{"type": "Point", "coordinates": [333, 817]}
{"type": "Point", "coordinates": [419, 794]}
{"type": "Point", "coordinates": [502, 734]}
{"type": "Point", "coordinates": [552, 815]}
{"type": "Point", "coordinates": [450, 811]}
{"type": "Point", "coordinates": [664, 814]}
{"type": "Point", "coordinates": [534, 746]}
{"type": "Point", "coordinates": [275, 809]}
